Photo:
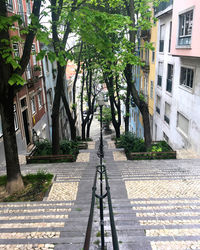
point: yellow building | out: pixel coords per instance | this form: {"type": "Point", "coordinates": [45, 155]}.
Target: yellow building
{"type": "Point", "coordinates": [148, 71]}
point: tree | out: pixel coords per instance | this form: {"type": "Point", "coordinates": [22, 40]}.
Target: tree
{"type": "Point", "coordinates": [11, 70]}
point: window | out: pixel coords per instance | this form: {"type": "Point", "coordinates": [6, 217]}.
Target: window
{"type": "Point", "coordinates": [165, 137]}
{"type": "Point", "coordinates": [160, 73]}
{"type": "Point", "coordinates": [49, 96]}
{"type": "Point", "coordinates": [153, 56]}
{"type": "Point", "coordinates": [28, 71]}
{"type": "Point", "coordinates": [182, 123]}
{"type": "Point", "coordinates": [151, 90]}
{"type": "Point", "coordinates": [158, 102]}
{"type": "Point", "coordinates": [147, 56]}
{"type": "Point", "coordinates": [10, 4]}
{"type": "Point", "coordinates": [169, 78]}
{"type": "Point", "coordinates": [23, 102]}
{"type": "Point", "coordinates": [16, 49]}
{"type": "Point", "coordinates": [162, 37]}
{"type": "Point", "coordinates": [167, 113]}
{"type": "Point", "coordinates": [185, 28]}
{"type": "Point", "coordinates": [1, 130]}
{"type": "Point", "coordinates": [34, 55]}
{"type": "Point", "coordinates": [40, 99]}
{"type": "Point", "coordinates": [33, 105]}
{"type": "Point", "coordinates": [170, 35]}
{"type": "Point", "coordinates": [187, 76]}
{"type": "Point", "coordinates": [15, 118]}
{"type": "Point", "coordinates": [47, 63]}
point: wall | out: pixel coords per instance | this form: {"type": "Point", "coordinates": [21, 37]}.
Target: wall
{"type": "Point", "coordinates": [179, 7]}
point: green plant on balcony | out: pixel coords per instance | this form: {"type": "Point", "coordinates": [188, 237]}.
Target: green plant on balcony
{"type": "Point", "coordinates": [36, 68]}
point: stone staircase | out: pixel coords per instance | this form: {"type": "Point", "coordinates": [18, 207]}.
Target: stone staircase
{"type": "Point", "coordinates": [156, 205]}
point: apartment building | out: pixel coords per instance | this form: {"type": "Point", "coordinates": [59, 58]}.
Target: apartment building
{"type": "Point", "coordinates": [30, 101]}
{"type": "Point", "coordinates": [185, 47]}
{"type": "Point", "coordinates": [178, 75]}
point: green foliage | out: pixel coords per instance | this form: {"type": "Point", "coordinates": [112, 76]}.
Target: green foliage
{"type": "Point", "coordinates": [106, 115]}
{"type": "Point", "coordinates": [16, 79]}
{"type": "Point", "coordinates": [69, 147]}
{"type": "Point", "coordinates": [36, 185]}
{"type": "Point", "coordinates": [161, 146]}
{"type": "Point", "coordinates": [131, 143]}
{"type": "Point", "coordinates": [66, 147]}
{"type": "Point", "coordinates": [43, 148]}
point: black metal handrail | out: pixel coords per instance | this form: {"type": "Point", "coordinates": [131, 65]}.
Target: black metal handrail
{"type": "Point", "coordinates": [101, 170]}
{"type": "Point", "coordinates": [112, 221]}
{"type": "Point", "coordinates": [90, 220]}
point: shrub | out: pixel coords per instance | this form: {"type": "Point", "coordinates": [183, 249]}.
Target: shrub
{"type": "Point", "coordinates": [69, 147]}
{"type": "Point", "coordinates": [131, 143]}
{"type": "Point", "coordinates": [43, 148]}
{"type": "Point", "coordinates": [161, 146]}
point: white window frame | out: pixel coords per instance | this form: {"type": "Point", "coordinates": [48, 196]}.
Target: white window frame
{"type": "Point", "coordinates": [15, 118]}
{"type": "Point", "coordinates": [33, 106]}
{"type": "Point", "coordinates": [40, 103]}
{"type": "Point", "coordinates": [167, 115]}
{"type": "Point", "coordinates": [162, 38]}
{"type": "Point", "coordinates": [16, 49]}
{"type": "Point", "coordinates": [185, 133]}
{"type": "Point", "coordinates": [158, 106]}
{"type": "Point", "coordinates": [182, 83]}
{"type": "Point", "coordinates": [184, 35]}
{"type": "Point", "coordinates": [33, 50]}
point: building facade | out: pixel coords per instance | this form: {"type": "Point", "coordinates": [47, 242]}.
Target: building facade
{"type": "Point", "coordinates": [178, 75]}
{"type": "Point", "coordinates": [30, 101]}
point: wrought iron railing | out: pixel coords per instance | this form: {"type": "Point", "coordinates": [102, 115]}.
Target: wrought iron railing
{"type": "Point", "coordinates": [101, 170]}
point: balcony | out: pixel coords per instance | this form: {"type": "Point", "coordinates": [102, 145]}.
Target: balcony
{"type": "Point", "coordinates": [32, 75]}
{"type": "Point", "coordinates": [145, 66]}
{"type": "Point", "coordinates": [163, 8]}
{"type": "Point", "coordinates": [169, 85]}
{"type": "Point", "coordinates": [159, 81]}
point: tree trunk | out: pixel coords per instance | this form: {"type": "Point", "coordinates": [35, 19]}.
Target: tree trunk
{"type": "Point", "coordinates": [56, 109]}
{"type": "Point", "coordinates": [127, 115]}
{"type": "Point", "coordinates": [109, 83]}
{"type": "Point", "coordinates": [72, 121]}
{"type": "Point", "coordinates": [142, 105]}
{"type": "Point", "coordinates": [14, 178]}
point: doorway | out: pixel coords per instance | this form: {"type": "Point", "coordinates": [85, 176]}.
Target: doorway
{"type": "Point", "coordinates": [26, 125]}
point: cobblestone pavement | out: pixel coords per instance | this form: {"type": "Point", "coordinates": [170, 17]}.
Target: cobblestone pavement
{"type": "Point", "coordinates": [156, 204]}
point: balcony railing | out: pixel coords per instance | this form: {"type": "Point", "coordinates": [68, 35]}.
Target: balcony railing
{"type": "Point", "coordinates": [159, 82]}
{"type": "Point", "coordinates": [169, 85]}
{"type": "Point", "coordinates": [32, 75]}
{"type": "Point", "coordinates": [162, 6]}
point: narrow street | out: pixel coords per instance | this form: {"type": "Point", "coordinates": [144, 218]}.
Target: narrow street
{"type": "Point", "coordinates": [156, 204]}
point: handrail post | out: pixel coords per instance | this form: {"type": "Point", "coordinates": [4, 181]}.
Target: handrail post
{"type": "Point", "coordinates": [101, 181]}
